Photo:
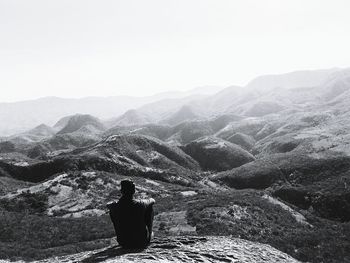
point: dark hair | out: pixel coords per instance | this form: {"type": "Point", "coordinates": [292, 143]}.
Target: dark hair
{"type": "Point", "coordinates": [127, 187]}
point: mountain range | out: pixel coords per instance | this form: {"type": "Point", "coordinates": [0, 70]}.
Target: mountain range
{"type": "Point", "coordinates": [268, 162]}
{"type": "Point", "coordinates": [17, 117]}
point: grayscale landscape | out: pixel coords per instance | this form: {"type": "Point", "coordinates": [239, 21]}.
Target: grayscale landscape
{"type": "Point", "coordinates": [268, 162]}
{"type": "Point", "coordinates": [234, 116]}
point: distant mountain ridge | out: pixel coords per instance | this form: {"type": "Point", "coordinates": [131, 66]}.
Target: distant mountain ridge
{"type": "Point", "coordinates": [295, 79]}
{"type": "Point", "coordinates": [262, 96]}
{"type": "Point", "coordinates": [17, 117]}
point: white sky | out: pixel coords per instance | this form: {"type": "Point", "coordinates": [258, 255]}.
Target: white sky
{"type": "Point", "coordinates": [77, 48]}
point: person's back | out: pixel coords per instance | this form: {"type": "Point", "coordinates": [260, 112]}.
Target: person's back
{"type": "Point", "coordinates": [132, 219]}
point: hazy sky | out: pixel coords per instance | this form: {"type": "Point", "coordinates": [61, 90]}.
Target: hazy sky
{"type": "Point", "coordinates": [77, 48]}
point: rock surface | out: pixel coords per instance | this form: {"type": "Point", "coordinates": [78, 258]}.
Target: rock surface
{"type": "Point", "coordinates": [185, 249]}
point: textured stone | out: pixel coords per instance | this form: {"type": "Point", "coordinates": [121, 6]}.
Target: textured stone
{"type": "Point", "coordinates": [185, 249]}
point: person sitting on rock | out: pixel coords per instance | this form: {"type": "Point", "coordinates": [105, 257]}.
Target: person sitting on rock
{"type": "Point", "coordinates": [132, 219]}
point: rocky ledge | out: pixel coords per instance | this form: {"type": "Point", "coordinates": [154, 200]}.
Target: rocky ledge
{"type": "Point", "coordinates": [185, 249]}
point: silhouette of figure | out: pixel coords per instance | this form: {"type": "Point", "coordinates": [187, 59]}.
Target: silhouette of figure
{"type": "Point", "coordinates": [132, 219]}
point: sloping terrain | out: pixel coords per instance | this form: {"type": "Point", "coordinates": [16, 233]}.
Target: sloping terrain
{"type": "Point", "coordinates": [79, 121]}
{"type": "Point", "coordinates": [42, 130]}
{"type": "Point", "coordinates": [216, 154]}
{"type": "Point", "coordinates": [68, 133]}
{"type": "Point", "coordinates": [131, 117]}
{"type": "Point", "coordinates": [260, 108]}
{"type": "Point", "coordinates": [145, 151]}
{"type": "Point", "coordinates": [292, 167]}
{"type": "Point", "coordinates": [7, 147]}
{"type": "Point", "coordinates": [185, 113]}
{"type": "Point", "coordinates": [154, 130]}
{"type": "Point", "coordinates": [75, 194]}
{"type": "Point", "coordinates": [8, 185]}
{"type": "Point", "coordinates": [248, 126]}
{"type": "Point", "coordinates": [178, 134]}
{"type": "Point", "coordinates": [132, 155]}
{"type": "Point", "coordinates": [34, 135]}
{"type": "Point", "coordinates": [243, 140]}
{"type": "Point", "coordinates": [166, 108]}
{"type": "Point", "coordinates": [187, 132]}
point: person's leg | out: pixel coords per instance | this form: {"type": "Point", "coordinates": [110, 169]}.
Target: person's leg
{"type": "Point", "coordinates": [112, 214]}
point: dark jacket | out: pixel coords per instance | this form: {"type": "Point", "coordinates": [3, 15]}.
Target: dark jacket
{"type": "Point", "coordinates": [132, 220]}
